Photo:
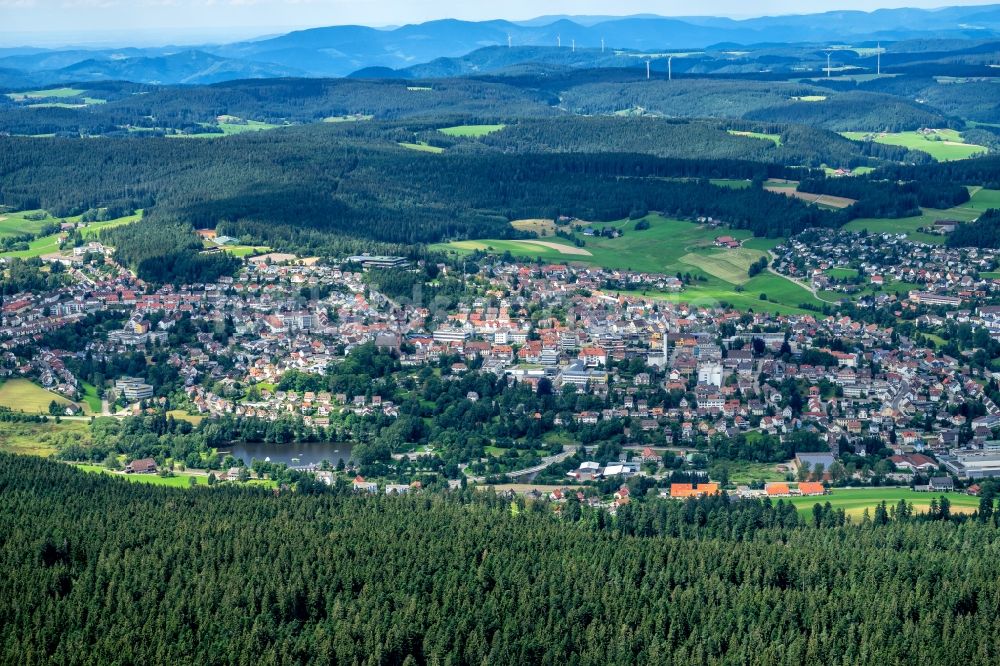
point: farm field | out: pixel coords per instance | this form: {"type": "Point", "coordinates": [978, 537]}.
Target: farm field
{"type": "Point", "coordinates": [728, 265]}
{"type": "Point", "coordinates": [20, 223]}
{"type": "Point", "coordinates": [43, 94]}
{"type": "Point", "coordinates": [731, 183]}
{"type": "Point", "coordinates": [776, 138]}
{"type": "Point", "coordinates": [228, 129]}
{"type": "Point", "coordinates": [471, 131]}
{"type": "Point", "coordinates": [855, 501]}
{"type": "Point", "coordinates": [823, 200]}
{"type": "Point", "coordinates": [943, 145]}
{"type": "Point", "coordinates": [668, 247]}
{"type": "Point", "coordinates": [23, 395]}
{"type": "Point", "coordinates": [981, 200]}
{"type": "Point", "coordinates": [538, 226]}
{"type": "Point", "coordinates": [422, 147]}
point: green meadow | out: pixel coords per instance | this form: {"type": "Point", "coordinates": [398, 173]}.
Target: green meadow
{"type": "Point", "coordinates": [668, 247]}
{"type": "Point", "coordinates": [981, 200]}
{"type": "Point", "coordinates": [943, 145]}
{"type": "Point", "coordinates": [23, 222]}
{"type": "Point", "coordinates": [472, 131]}
{"type": "Point", "coordinates": [234, 126]}
{"type": "Point", "coordinates": [855, 501]}
{"type": "Point", "coordinates": [775, 138]}
{"type": "Point", "coordinates": [44, 94]}
{"type": "Point", "coordinates": [49, 244]}
{"type": "Point", "coordinates": [23, 395]}
{"type": "Point", "coordinates": [422, 146]}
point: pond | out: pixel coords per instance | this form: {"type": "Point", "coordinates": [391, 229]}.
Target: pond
{"type": "Point", "coordinates": [293, 455]}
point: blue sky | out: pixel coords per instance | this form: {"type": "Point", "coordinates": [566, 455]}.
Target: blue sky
{"type": "Point", "coordinates": [165, 21]}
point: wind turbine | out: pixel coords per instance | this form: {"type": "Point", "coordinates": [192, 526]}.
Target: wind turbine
{"type": "Point", "coordinates": [602, 45]}
{"type": "Point", "coordinates": [647, 69]}
{"type": "Point", "coordinates": [559, 41]}
{"type": "Point", "coordinates": [670, 68]}
{"type": "Point", "coordinates": [574, 46]}
{"type": "Point", "coordinates": [878, 59]}
{"type": "Point", "coordinates": [509, 42]}
{"type": "Point", "coordinates": [827, 64]}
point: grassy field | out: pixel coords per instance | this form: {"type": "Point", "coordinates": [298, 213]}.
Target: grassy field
{"type": "Point", "coordinates": [23, 395]}
{"type": "Point", "coordinates": [179, 480]}
{"type": "Point", "coordinates": [181, 415]}
{"type": "Point", "coordinates": [538, 226]}
{"type": "Point", "coordinates": [943, 144]}
{"type": "Point", "coordinates": [842, 273]}
{"type": "Point", "coordinates": [422, 147]}
{"type": "Point", "coordinates": [981, 200]}
{"type": "Point", "coordinates": [228, 129]}
{"type": "Point", "coordinates": [245, 250]}
{"type": "Point", "coordinates": [776, 138]}
{"type": "Point", "coordinates": [670, 246]}
{"type": "Point", "coordinates": [42, 94]}
{"type": "Point", "coordinates": [18, 224]}
{"type": "Point", "coordinates": [731, 183]}
{"type": "Point", "coordinates": [35, 439]}
{"type": "Point", "coordinates": [50, 244]}
{"type": "Point", "coordinates": [855, 501]}
{"type": "Point", "coordinates": [472, 131]}
{"type": "Point", "coordinates": [91, 400]}
{"type": "Point", "coordinates": [728, 265]}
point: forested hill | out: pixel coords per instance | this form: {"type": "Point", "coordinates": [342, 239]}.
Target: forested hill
{"type": "Point", "coordinates": [97, 570]}
{"type": "Point", "coordinates": [318, 178]}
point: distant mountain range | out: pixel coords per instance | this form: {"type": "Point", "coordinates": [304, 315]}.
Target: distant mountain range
{"type": "Point", "coordinates": [342, 50]}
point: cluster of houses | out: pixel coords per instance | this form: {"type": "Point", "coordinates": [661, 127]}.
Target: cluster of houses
{"type": "Point", "coordinates": [878, 269]}
{"type": "Point", "coordinates": [723, 369]}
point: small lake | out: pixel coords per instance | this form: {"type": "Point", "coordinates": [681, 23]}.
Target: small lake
{"type": "Point", "coordinates": [293, 455]}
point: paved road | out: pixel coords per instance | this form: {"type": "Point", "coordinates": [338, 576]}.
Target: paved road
{"type": "Point", "coordinates": [548, 460]}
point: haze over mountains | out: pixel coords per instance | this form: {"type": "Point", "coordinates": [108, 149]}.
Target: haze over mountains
{"type": "Point", "coordinates": [344, 50]}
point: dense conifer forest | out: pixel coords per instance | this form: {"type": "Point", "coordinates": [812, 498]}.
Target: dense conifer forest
{"type": "Point", "coordinates": [98, 570]}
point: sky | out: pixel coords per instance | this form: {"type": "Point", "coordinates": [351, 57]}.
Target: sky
{"type": "Point", "coordinates": [150, 22]}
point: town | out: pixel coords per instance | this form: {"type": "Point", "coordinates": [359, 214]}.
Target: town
{"type": "Point", "coordinates": [753, 402]}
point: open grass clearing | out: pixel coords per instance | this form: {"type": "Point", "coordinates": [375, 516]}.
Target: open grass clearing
{"type": "Point", "coordinates": [941, 144]}
{"type": "Point", "coordinates": [91, 400]}
{"type": "Point", "coordinates": [181, 415]}
{"type": "Point", "coordinates": [45, 94]}
{"type": "Point", "coordinates": [471, 131]}
{"type": "Point", "coordinates": [422, 146]}
{"type": "Point", "coordinates": [23, 222]}
{"type": "Point", "coordinates": [542, 227]}
{"type": "Point", "coordinates": [826, 200]}
{"type": "Point", "coordinates": [731, 183]}
{"type": "Point", "coordinates": [774, 138]}
{"type": "Point", "coordinates": [665, 248]}
{"type": "Point", "coordinates": [981, 200]}
{"type": "Point", "coordinates": [23, 395]}
{"type": "Point", "coordinates": [854, 501]}
{"type": "Point", "coordinates": [728, 265]}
